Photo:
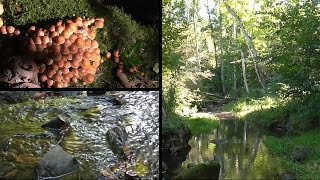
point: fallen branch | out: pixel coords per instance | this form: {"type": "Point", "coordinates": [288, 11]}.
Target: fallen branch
{"type": "Point", "coordinates": [123, 78]}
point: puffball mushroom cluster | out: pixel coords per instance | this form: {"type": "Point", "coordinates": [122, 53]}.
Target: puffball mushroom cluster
{"type": "Point", "coordinates": [67, 52]}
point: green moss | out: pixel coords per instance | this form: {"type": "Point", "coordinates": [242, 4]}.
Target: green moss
{"type": "Point", "coordinates": [141, 169]}
{"type": "Point", "coordinates": [202, 125]}
{"type": "Point", "coordinates": [283, 147]}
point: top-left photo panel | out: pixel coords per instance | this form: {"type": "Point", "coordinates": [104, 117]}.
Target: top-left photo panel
{"type": "Point", "coordinates": [80, 44]}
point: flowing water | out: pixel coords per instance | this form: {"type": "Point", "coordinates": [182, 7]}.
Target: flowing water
{"type": "Point", "coordinates": [90, 118]}
{"type": "Point", "coordinates": [244, 156]}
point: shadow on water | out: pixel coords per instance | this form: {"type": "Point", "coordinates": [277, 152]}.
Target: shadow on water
{"type": "Point", "coordinates": [239, 149]}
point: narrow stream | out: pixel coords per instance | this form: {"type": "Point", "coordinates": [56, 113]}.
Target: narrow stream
{"type": "Point", "coordinates": [244, 156]}
{"type": "Point", "coordinates": [90, 118]}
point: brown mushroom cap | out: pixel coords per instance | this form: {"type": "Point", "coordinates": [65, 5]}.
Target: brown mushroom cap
{"type": "Point", "coordinates": [73, 38]}
{"type": "Point", "coordinates": [80, 42]}
{"type": "Point", "coordinates": [57, 40]}
{"type": "Point", "coordinates": [57, 77]}
{"type": "Point", "coordinates": [67, 43]}
{"type": "Point", "coordinates": [116, 53]}
{"type": "Point", "coordinates": [85, 63]}
{"type": "Point", "coordinates": [75, 64]}
{"type": "Point", "coordinates": [59, 63]}
{"type": "Point", "coordinates": [45, 39]}
{"type": "Point", "coordinates": [68, 57]}
{"type": "Point", "coordinates": [40, 33]}
{"type": "Point", "coordinates": [92, 34]}
{"type": "Point", "coordinates": [98, 23]}
{"type": "Point", "coordinates": [94, 44]}
{"type": "Point", "coordinates": [55, 48]}
{"type": "Point", "coordinates": [86, 55]}
{"type": "Point", "coordinates": [79, 21]}
{"type": "Point", "coordinates": [3, 30]}
{"type": "Point", "coordinates": [55, 56]}
{"type": "Point", "coordinates": [43, 78]}
{"type": "Point", "coordinates": [73, 49]}
{"type": "Point", "coordinates": [74, 80]}
{"type": "Point", "coordinates": [58, 84]}
{"type": "Point", "coordinates": [65, 50]}
{"type": "Point", "coordinates": [10, 29]}
{"type": "Point", "coordinates": [89, 78]}
{"type": "Point", "coordinates": [97, 51]}
{"type": "Point", "coordinates": [49, 61]}
{"type": "Point", "coordinates": [77, 57]}
{"type": "Point", "coordinates": [52, 28]}
{"type": "Point", "coordinates": [59, 29]}
{"type": "Point", "coordinates": [54, 34]}
{"type": "Point", "coordinates": [67, 64]}
{"type": "Point", "coordinates": [51, 73]}
{"type": "Point", "coordinates": [66, 33]}
{"type": "Point", "coordinates": [49, 82]}
{"type": "Point", "coordinates": [72, 27]}
{"type": "Point", "coordinates": [39, 47]}
{"type": "Point", "coordinates": [37, 40]}
{"type": "Point", "coordinates": [108, 55]}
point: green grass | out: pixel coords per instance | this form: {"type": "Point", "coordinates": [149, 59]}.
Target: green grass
{"type": "Point", "coordinates": [120, 32]}
{"type": "Point", "coordinates": [282, 148]}
{"type": "Point", "coordinates": [202, 125]}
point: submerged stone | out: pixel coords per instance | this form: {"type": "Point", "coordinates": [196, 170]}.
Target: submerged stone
{"type": "Point", "coordinates": [299, 153]}
{"type": "Point", "coordinates": [116, 138]}
{"type": "Point", "coordinates": [56, 163]}
{"type": "Point", "coordinates": [6, 144]}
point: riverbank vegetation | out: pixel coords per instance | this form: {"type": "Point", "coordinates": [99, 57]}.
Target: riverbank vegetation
{"type": "Point", "coordinates": [257, 59]}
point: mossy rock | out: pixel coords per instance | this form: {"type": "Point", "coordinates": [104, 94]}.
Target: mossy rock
{"type": "Point", "coordinates": [201, 171]}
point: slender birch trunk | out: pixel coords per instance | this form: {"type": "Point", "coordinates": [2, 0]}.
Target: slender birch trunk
{"type": "Point", "coordinates": [249, 43]}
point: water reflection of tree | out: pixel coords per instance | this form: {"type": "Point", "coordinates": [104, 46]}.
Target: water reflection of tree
{"type": "Point", "coordinates": [236, 158]}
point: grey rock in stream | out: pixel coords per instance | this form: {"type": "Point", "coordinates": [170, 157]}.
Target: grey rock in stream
{"type": "Point", "coordinates": [116, 138]}
{"type": "Point", "coordinates": [299, 153]}
{"type": "Point", "coordinates": [56, 163]}
{"type": "Point", "coordinates": [6, 144]}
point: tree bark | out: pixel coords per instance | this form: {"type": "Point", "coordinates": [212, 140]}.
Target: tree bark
{"type": "Point", "coordinates": [195, 31]}
{"type": "Point", "coordinates": [243, 60]}
{"type": "Point", "coordinates": [221, 54]}
{"type": "Point", "coordinates": [249, 43]}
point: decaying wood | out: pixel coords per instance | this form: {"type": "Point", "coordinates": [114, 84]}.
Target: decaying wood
{"type": "Point", "coordinates": [123, 78]}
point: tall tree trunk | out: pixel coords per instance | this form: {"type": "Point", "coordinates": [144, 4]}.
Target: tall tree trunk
{"type": "Point", "coordinates": [212, 35]}
{"type": "Point", "coordinates": [221, 53]}
{"type": "Point", "coordinates": [195, 20]}
{"type": "Point", "coordinates": [249, 43]}
{"type": "Point", "coordinates": [243, 60]}
{"type": "Point", "coordinates": [234, 47]}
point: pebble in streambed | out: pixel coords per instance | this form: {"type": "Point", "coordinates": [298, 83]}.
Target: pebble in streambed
{"type": "Point", "coordinates": [6, 145]}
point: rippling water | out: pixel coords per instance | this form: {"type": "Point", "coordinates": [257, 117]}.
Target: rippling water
{"type": "Point", "coordinates": [90, 117]}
